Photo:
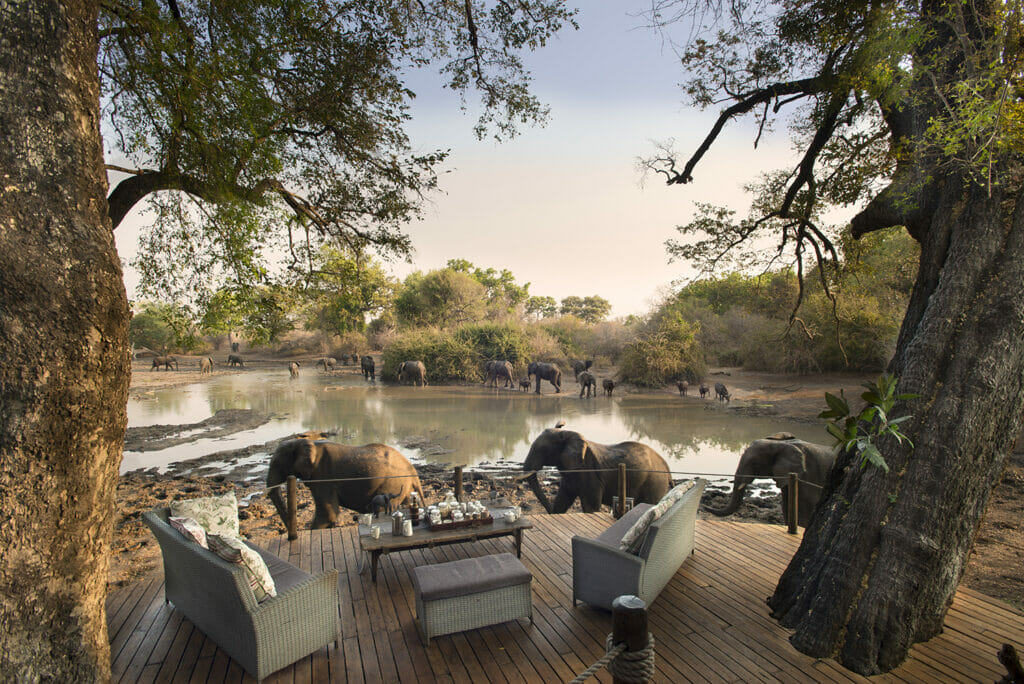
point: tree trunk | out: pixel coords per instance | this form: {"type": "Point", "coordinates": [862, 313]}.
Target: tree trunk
{"type": "Point", "coordinates": [63, 341]}
{"type": "Point", "coordinates": [879, 565]}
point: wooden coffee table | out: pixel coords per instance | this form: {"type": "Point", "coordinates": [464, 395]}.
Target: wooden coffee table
{"type": "Point", "coordinates": [423, 537]}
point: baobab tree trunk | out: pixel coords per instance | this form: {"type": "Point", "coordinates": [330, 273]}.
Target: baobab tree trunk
{"type": "Point", "coordinates": [879, 565]}
{"type": "Point", "coordinates": [63, 341]}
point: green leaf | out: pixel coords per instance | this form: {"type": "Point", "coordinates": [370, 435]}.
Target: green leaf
{"type": "Point", "coordinates": [837, 404]}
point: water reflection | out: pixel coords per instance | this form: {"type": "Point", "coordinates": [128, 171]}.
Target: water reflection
{"type": "Point", "coordinates": [471, 423]}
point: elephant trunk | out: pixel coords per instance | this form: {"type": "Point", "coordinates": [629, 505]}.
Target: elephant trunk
{"type": "Point", "coordinates": [538, 491]}
{"type": "Point", "coordinates": [738, 490]}
{"type": "Point", "coordinates": [276, 496]}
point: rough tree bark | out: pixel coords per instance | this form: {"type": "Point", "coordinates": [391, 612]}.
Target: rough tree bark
{"type": "Point", "coordinates": [880, 563]}
{"type": "Point", "coordinates": [63, 341]}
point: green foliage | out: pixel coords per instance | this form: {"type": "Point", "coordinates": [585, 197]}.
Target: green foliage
{"type": "Point", "coordinates": [342, 290]}
{"type": "Point", "coordinates": [542, 307]}
{"type": "Point", "coordinates": [574, 336]}
{"type": "Point", "coordinates": [446, 357]}
{"type": "Point", "coordinates": [667, 351]}
{"type": "Point", "coordinates": [861, 432]}
{"type": "Point", "coordinates": [504, 295]}
{"type": "Point", "coordinates": [237, 115]}
{"type": "Point", "coordinates": [264, 314]}
{"type": "Point", "coordinates": [443, 298]}
{"type": "Point", "coordinates": [591, 309]}
{"type": "Point", "coordinates": [163, 327]}
{"type": "Point", "coordinates": [496, 341]}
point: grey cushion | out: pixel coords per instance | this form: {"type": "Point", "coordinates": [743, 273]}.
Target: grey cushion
{"type": "Point", "coordinates": [284, 573]}
{"type": "Point", "coordinates": [468, 576]}
{"type": "Point", "coordinates": [613, 534]}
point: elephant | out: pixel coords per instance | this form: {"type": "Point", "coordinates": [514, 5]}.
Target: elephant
{"type": "Point", "coordinates": [608, 385]}
{"type": "Point", "coordinates": [590, 470]}
{"type": "Point", "coordinates": [721, 393]}
{"type": "Point", "coordinates": [415, 371]}
{"type": "Point", "coordinates": [498, 368]}
{"type": "Point", "coordinates": [524, 384]}
{"type": "Point", "coordinates": [580, 366]}
{"type": "Point", "coordinates": [776, 457]}
{"type": "Point", "coordinates": [368, 368]}
{"type": "Point", "coordinates": [327, 362]}
{"type": "Point", "coordinates": [368, 470]}
{"type": "Point", "coordinates": [355, 359]}
{"type": "Point", "coordinates": [588, 384]}
{"type": "Point", "coordinates": [683, 385]}
{"type": "Point", "coordinates": [704, 391]}
{"type": "Point", "coordinates": [205, 365]}
{"type": "Point", "coordinates": [235, 360]}
{"type": "Point", "coordinates": [165, 361]}
{"type": "Point", "coordinates": [234, 347]}
{"type": "Point", "coordinates": [293, 369]}
{"type": "Point", "coordinates": [545, 371]}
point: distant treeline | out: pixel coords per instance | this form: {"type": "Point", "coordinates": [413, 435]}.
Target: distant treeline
{"type": "Point", "coordinates": [455, 319]}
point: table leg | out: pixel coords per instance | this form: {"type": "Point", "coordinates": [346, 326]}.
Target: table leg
{"type": "Point", "coordinates": [374, 557]}
{"type": "Point", "coordinates": [519, 543]}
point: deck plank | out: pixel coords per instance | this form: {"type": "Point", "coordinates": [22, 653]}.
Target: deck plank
{"type": "Point", "coordinates": [711, 622]}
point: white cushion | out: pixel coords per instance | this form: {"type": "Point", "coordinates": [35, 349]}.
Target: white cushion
{"type": "Point", "coordinates": [234, 550]}
{"type": "Point", "coordinates": [190, 529]}
{"type": "Point", "coordinates": [633, 539]}
{"type": "Point", "coordinates": [217, 514]}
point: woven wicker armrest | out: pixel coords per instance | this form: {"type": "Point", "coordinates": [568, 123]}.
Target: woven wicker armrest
{"type": "Point", "coordinates": [599, 572]}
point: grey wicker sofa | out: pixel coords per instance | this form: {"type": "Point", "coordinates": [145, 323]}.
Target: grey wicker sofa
{"type": "Point", "coordinates": [216, 597]}
{"type": "Point", "coordinates": [601, 572]}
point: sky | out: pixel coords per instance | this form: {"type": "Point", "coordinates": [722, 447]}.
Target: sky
{"type": "Point", "coordinates": [564, 207]}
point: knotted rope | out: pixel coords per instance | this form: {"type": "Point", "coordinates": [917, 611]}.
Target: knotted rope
{"type": "Point", "coordinates": [626, 666]}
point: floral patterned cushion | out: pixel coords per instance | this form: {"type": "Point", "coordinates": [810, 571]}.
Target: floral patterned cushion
{"type": "Point", "coordinates": [234, 550]}
{"type": "Point", "coordinates": [190, 529]}
{"type": "Point", "coordinates": [633, 539]}
{"type": "Point", "coordinates": [217, 514]}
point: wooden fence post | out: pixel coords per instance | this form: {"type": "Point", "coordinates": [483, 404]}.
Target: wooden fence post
{"type": "Point", "coordinates": [629, 624]}
{"type": "Point", "coordinates": [794, 491]}
{"type": "Point", "coordinates": [458, 483]}
{"type": "Point", "coordinates": [293, 508]}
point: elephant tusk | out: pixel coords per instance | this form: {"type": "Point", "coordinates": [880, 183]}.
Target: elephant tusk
{"type": "Point", "coordinates": [524, 476]}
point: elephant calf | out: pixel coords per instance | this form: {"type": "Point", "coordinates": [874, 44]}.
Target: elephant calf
{"type": "Point", "coordinates": [608, 385]}
{"type": "Point", "coordinates": [588, 384]}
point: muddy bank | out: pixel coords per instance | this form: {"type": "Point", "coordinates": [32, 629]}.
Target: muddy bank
{"type": "Point", "coordinates": [224, 422]}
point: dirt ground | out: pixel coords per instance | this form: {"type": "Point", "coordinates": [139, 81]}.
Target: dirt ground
{"type": "Point", "coordinates": [996, 566]}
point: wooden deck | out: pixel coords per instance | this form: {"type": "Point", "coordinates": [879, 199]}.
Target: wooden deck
{"type": "Point", "coordinates": [710, 624]}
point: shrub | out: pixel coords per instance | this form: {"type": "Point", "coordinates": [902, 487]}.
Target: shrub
{"type": "Point", "coordinates": [352, 342]}
{"type": "Point", "coordinates": [671, 352]}
{"type": "Point", "coordinates": [496, 341]}
{"type": "Point", "coordinates": [575, 337]}
{"type": "Point", "coordinates": [445, 357]}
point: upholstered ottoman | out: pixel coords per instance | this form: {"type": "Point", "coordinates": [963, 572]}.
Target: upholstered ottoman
{"type": "Point", "coordinates": [471, 593]}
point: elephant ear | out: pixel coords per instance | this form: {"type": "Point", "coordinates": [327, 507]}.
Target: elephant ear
{"type": "Point", "coordinates": [307, 457]}
{"type": "Point", "coordinates": [574, 455]}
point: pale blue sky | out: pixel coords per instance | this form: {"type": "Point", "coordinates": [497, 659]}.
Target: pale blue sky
{"type": "Point", "coordinates": [562, 206]}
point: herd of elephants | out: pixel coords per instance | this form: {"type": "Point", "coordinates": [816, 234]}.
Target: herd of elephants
{"type": "Point", "coordinates": [368, 477]}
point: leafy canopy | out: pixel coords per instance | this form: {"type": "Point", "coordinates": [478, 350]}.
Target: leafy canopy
{"type": "Point", "coordinates": [877, 114]}
{"type": "Point", "coordinates": [280, 124]}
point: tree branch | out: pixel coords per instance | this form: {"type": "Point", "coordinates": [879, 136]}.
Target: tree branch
{"type": "Point", "coordinates": [802, 87]}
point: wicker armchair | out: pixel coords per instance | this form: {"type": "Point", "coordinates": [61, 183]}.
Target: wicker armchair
{"type": "Point", "coordinates": [601, 572]}
{"type": "Point", "coordinates": [216, 597]}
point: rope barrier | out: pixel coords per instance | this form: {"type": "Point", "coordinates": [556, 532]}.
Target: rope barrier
{"type": "Point", "coordinates": [519, 477]}
{"type": "Point", "coordinates": [623, 665]}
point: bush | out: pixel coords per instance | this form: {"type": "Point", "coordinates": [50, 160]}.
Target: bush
{"type": "Point", "coordinates": [669, 353]}
{"type": "Point", "coordinates": [495, 341]}
{"type": "Point", "coordinates": [446, 358]}
{"type": "Point", "coordinates": [574, 336]}
{"type": "Point", "coordinates": [352, 342]}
